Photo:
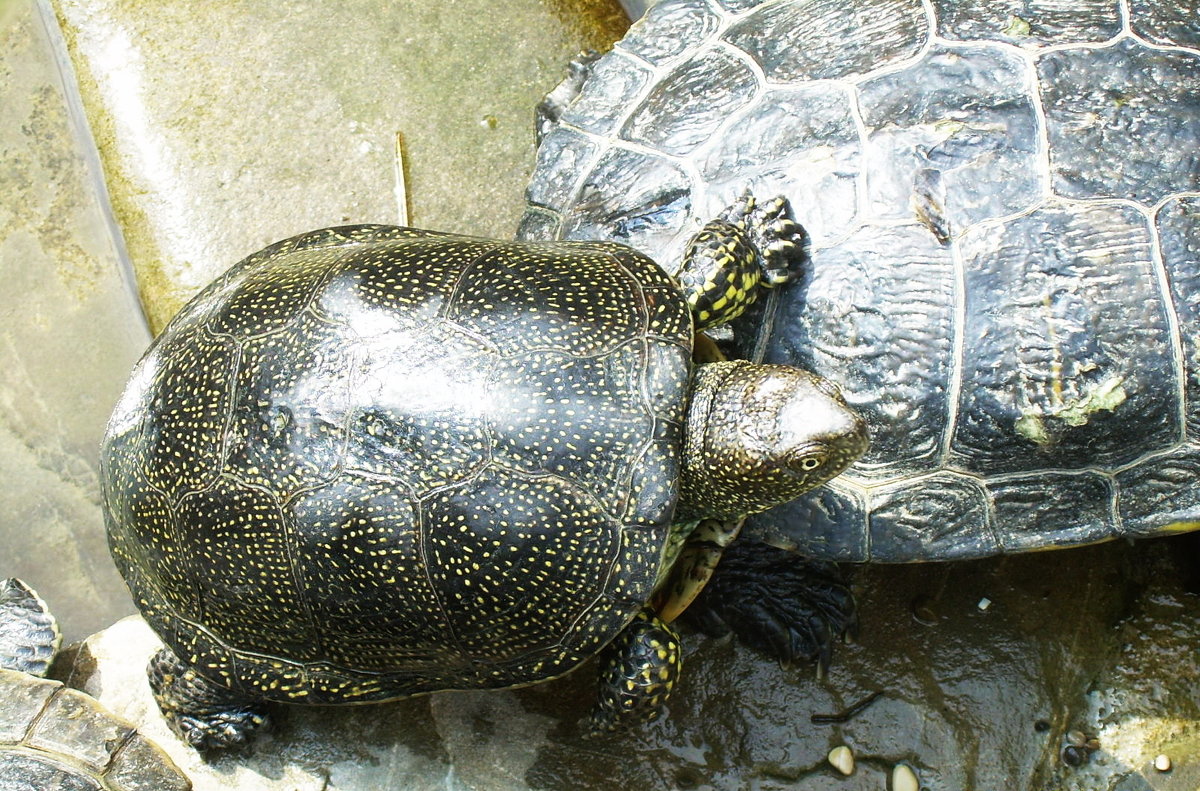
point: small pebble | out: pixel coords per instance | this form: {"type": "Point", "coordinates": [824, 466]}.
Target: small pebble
{"type": "Point", "coordinates": [923, 611]}
{"type": "Point", "coordinates": [984, 603]}
{"type": "Point", "coordinates": [1162, 763]}
{"type": "Point", "coordinates": [1075, 756]}
{"type": "Point", "coordinates": [905, 779]}
{"type": "Point", "coordinates": [842, 759]}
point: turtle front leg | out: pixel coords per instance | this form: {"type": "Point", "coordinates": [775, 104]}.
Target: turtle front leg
{"type": "Point", "coordinates": [638, 671]}
{"type": "Point", "coordinates": [205, 715]}
{"type": "Point", "coordinates": [778, 603]}
{"type": "Point", "coordinates": [748, 247]}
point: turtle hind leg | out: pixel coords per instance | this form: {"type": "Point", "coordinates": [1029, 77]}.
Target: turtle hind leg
{"type": "Point", "coordinates": [777, 603]}
{"type": "Point", "coordinates": [29, 636]}
{"type": "Point", "coordinates": [748, 247]}
{"type": "Point", "coordinates": [638, 671]}
{"type": "Point", "coordinates": [205, 715]}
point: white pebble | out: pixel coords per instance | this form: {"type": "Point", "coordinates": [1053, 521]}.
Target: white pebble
{"type": "Point", "coordinates": [984, 603]}
{"type": "Point", "coordinates": [842, 759]}
{"type": "Point", "coordinates": [1162, 763]}
{"type": "Point", "coordinates": [904, 779]}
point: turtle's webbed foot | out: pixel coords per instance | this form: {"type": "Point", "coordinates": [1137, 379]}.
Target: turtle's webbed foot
{"type": "Point", "coordinates": [748, 247]}
{"type": "Point", "coordinates": [638, 671]}
{"type": "Point", "coordinates": [219, 731]}
{"type": "Point", "coordinates": [205, 715]}
{"type": "Point", "coordinates": [776, 602]}
{"type": "Point", "coordinates": [780, 240]}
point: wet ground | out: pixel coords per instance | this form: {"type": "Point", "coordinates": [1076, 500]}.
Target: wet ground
{"type": "Point", "coordinates": [1067, 671]}
{"type": "Point", "coordinates": [984, 669]}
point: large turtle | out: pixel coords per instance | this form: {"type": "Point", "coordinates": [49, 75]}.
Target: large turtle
{"type": "Point", "coordinates": [54, 737]}
{"type": "Point", "coordinates": [370, 462]}
{"type": "Point", "coordinates": [1004, 207]}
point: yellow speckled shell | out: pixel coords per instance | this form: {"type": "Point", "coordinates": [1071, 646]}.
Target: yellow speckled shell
{"type": "Point", "coordinates": [372, 461]}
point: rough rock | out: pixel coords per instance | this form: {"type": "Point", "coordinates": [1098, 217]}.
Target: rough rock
{"type": "Point", "coordinates": [450, 741]}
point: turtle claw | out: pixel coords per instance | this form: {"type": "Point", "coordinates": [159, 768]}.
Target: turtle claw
{"type": "Point", "coordinates": [778, 603]}
{"type": "Point", "coordinates": [781, 241]}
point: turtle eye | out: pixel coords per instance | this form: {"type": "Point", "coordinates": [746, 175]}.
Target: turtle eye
{"type": "Point", "coordinates": [811, 461]}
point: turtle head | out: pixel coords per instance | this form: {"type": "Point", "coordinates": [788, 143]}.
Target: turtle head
{"type": "Point", "coordinates": [758, 436]}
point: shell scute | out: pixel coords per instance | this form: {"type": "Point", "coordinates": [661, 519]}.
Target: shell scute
{"type": "Point", "coordinates": [290, 391]}
{"type": "Point", "coordinates": [1100, 99]}
{"type": "Point", "coordinates": [512, 548]}
{"type": "Point", "coordinates": [525, 299]}
{"type": "Point", "coordinates": [828, 39]}
{"type": "Point", "coordinates": [1056, 365]}
{"type": "Point", "coordinates": [365, 584]}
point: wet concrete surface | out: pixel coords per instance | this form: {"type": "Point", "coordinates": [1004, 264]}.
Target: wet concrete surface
{"type": "Point", "coordinates": [972, 698]}
{"type": "Point", "coordinates": [1101, 640]}
{"type": "Point", "coordinates": [224, 131]}
{"type": "Point", "coordinates": [70, 330]}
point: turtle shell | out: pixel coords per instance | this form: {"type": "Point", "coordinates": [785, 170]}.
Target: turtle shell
{"type": "Point", "coordinates": [373, 461]}
{"type": "Point", "coordinates": [1003, 206]}
{"type": "Point", "coordinates": [55, 737]}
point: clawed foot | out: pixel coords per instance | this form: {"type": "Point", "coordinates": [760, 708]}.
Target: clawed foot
{"type": "Point", "coordinates": [220, 731]}
{"type": "Point", "coordinates": [748, 247]}
{"type": "Point", "coordinates": [205, 715]}
{"type": "Point", "coordinates": [774, 232]}
{"type": "Point", "coordinates": [638, 670]}
{"type": "Point", "coordinates": [776, 602]}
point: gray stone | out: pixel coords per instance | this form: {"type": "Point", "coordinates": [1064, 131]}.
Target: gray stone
{"type": "Point", "coordinates": [451, 741]}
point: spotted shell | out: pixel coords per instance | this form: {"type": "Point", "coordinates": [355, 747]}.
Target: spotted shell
{"type": "Point", "coordinates": [372, 461]}
{"type": "Point", "coordinates": [1004, 207]}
